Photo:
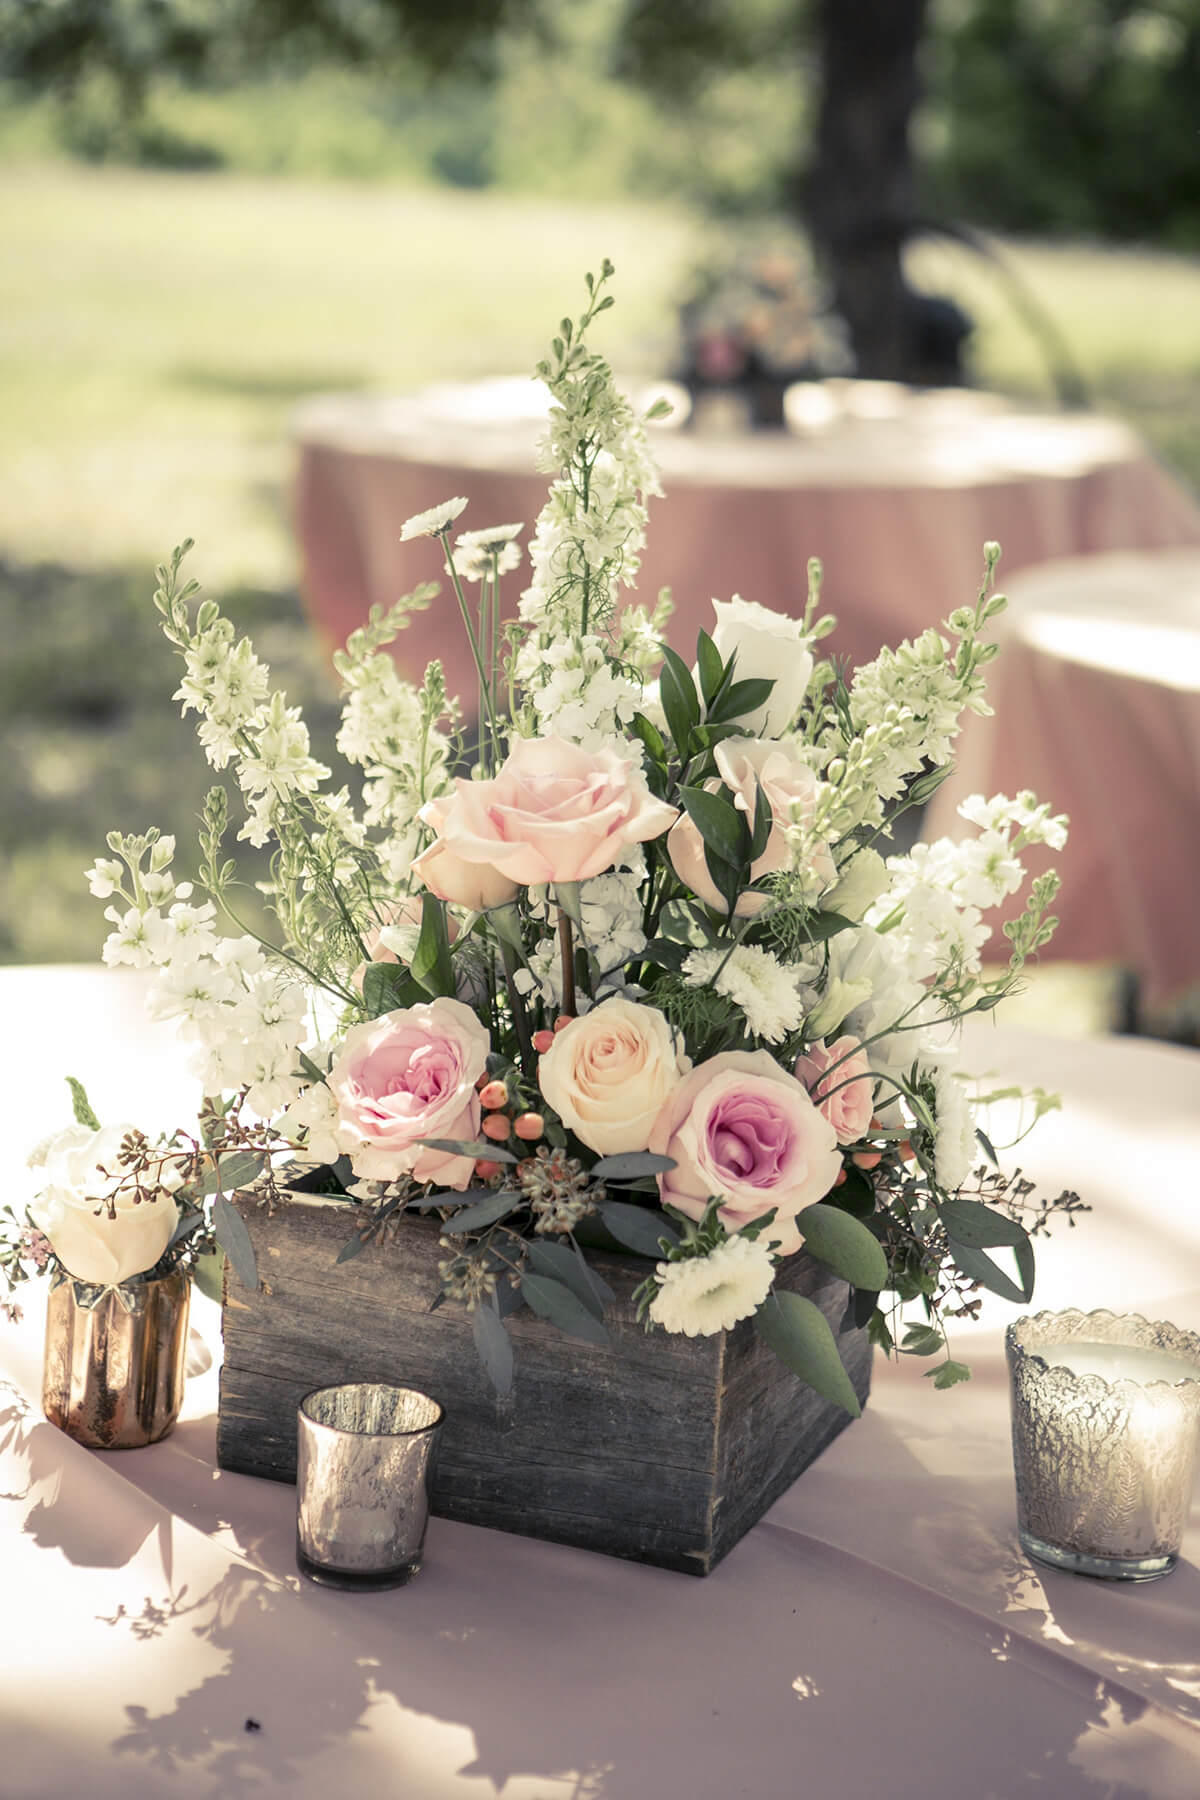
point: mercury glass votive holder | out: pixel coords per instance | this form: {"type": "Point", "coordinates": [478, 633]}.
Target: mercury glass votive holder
{"type": "Point", "coordinates": [365, 1461]}
{"type": "Point", "coordinates": [1105, 1430]}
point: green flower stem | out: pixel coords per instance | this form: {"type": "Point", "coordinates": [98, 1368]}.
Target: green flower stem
{"type": "Point", "coordinates": [566, 949]}
{"type": "Point", "coordinates": [473, 640]}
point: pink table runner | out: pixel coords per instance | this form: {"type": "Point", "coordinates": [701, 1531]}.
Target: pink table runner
{"type": "Point", "coordinates": [878, 1633]}
{"type": "Point", "coordinates": [895, 491]}
{"type": "Point", "coordinates": [1096, 703]}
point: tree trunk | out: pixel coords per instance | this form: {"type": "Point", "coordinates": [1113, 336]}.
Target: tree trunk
{"type": "Point", "coordinates": [858, 194]}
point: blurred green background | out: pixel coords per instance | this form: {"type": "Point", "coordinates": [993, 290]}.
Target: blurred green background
{"type": "Point", "coordinates": [211, 208]}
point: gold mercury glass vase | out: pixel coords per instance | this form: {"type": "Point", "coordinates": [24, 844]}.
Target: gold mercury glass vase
{"type": "Point", "coordinates": [115, 1359]}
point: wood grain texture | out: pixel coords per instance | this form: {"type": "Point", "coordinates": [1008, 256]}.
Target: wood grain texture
{"type": "Point", "coordinates": [659, 1448]}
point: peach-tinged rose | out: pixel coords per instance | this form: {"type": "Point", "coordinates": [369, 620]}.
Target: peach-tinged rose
{"type": "Point", "coordinates": [405, 1077]}
{"type": "Point", "coordinates": [770, 645]}
{"type": "Point", "coordinates": [743, 1130]}
{"type": "Point", "coordinates": [789, 787]}
{"type": "Point", "coordinates": [554, 813]}
{"type": "Point", "coordinates": [609, 1073]}
{"type": "Point", "coordinates": [92, 1242]}
{"type": "Point", "coordinates": [479, 886]}
{"type": "Point", "coordinates": [840, 1080]}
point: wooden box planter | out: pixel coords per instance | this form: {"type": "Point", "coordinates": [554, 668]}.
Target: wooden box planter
{"type": "Point", "coordinates": [660, 1448]}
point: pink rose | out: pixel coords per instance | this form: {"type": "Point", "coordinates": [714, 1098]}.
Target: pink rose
{"type": "Point", "coordinates": [789, 786]}
{"type": "Point", "coordinates": [841, 1082]}
{"type": "Point", "coordinates": [476, 885]}
{"type": "Point", "coordinates": [743, 1130]}
{"type": "Point", "coordinates": [404, 1077]}
{"type": "Point", "coordinates": [554, 813]}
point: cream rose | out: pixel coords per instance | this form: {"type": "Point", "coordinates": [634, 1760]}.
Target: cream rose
{"type": "Point", "coordinates": [554, 813]}
{"type": "Point", "coordinates": [769, 645]}
{"type": "Point", "coordinates": [100, 1232]}
{"type": "Point", "coordinates": [609, 1073]}
{"type": "Point", "coordinates": [789, 787]}
{"type": "Point", "coordinates": [402, 1078]}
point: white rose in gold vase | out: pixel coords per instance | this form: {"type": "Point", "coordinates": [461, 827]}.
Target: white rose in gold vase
{"type": "Point", "coordinates": [608, 1074]}
{"type": "Point", "coordinates": [101, 1229]}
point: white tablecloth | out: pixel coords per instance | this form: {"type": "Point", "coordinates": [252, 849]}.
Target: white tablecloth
{"type": "Point", "coordinates": [879, 1633]}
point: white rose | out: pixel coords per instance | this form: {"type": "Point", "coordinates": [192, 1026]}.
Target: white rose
{"type": "Point", "coordinates": [769, 645]}
{"type": "Point", "coordinates": [608, 1074]}
{"type": "Point", "coordinates": [97, 1234]}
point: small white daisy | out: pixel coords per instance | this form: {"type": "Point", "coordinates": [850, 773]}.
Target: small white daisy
{"type": "Point", "coordinates": [433, 521]}
{"type": "Point", "coordinates": [707, 1294]}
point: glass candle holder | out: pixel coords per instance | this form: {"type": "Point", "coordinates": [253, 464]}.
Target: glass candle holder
{"type": "Point", "coordinates": [115, 1358]}
{"type": "Point", "coordinates": [1105, 1429]}
{"type": "Point", "coordinates": [366, 1458]}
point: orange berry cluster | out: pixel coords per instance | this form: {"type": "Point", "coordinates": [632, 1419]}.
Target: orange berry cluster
{"type": "Point", "coordinates": [499, 1124]}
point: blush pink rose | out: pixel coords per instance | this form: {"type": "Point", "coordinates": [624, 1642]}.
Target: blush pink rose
{"type": "Point", "coordinates": [743, 1130]}
{"type": "Point", "coordinates": [404, 1077]}
{"type": "Point", "coordinates": [555, 812]}
{"type": "Point", "coordinates": [479, 886]}
{"type": "Point", "coordinates": [789, 786]}
{"type": "Point", "coordinates": [840, 1081]}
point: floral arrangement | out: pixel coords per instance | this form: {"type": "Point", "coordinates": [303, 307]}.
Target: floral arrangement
{"type": "Point", "coordinates": [755, 314]}
{"type": "Point", "coordinates": [641, 976]}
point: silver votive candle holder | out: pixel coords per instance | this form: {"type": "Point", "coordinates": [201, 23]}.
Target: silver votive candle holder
{"type": "Point", "coordinates": [365, 1461]}
{"type": "Point", "coordinates": [1105, 1431]}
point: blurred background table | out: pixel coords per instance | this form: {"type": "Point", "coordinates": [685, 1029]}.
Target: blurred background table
{"type": "Point", "coordinates": [878, 1629]}
{"type": "Point", "coordinates": [895, 489]}
{"type": "Point", "coordinates": [1096, 703]}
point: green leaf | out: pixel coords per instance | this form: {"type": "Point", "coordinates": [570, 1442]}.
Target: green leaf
{"type": "Point", "coordinates": [234, 1239]}
{"type": "Point", "coordinates": [763, 821]}
{"type": "Point", "coordinates": [879, 1332]}
{"type": "Point", "coordinates": [563, 1263]}
{"type": "Point", "coordinates": [628, 1165]}
{"type": "Point", "coordinates": [352, 1247]}
{"type": "Point", "coordinates": [980, 1227]}
{"type": "Point", "coordinates": [309, 1067]}
{"type": "Point", "coordinates": [680, 703]}
{"type": "Point", "coordinates": [855, 1195]}
{"type": "Point", "coordinates": [81, 1105]}
{"type": "Point", "coordinates": [978, 1266]}
{"type": "Point", "coordinates": [650, 736]}
{"type": "Point", "coordinates": [719, 823]}
{"type": "Point", "coordinates": [799, 1334]}
{"type": "Point", "coordinates": [949, 1374]}
{"type": "Point", "coordinates": [665, 955]}
{"type": "Point", "coordinates": [552, 1301]}
{"type": "Point", "coordinates": [487, 1212]}
{"type": "Point", "coordinates": [988, 1148]}
{"type": "Point", "coordinates": [838, 1240]}
{"type": "Point", "coordinates": [567, 896]}
{"type": "Point", "coordinates": [710, 667]}
{"type": "Point", "coordinates": [639, 1228]}
{"type": "Point", "coordinates": [821, 926]}
{"type": "Point", "coordinates": [231, 1171]}
{"type": "Point", "coordinates": [922, 1340]}
{"type": "Point", "coordinates": [459, 1147]}
{"type": "Point", "coordinates": [208, 1273]}
{"type": "Point", "coordinates": [740, 698]}
{"type": "Point", "coordinates": [388, 986]}
{"type": "Point", "coordinates": [431, 963]}
{"type": "Point", "coordinates": [494, 1346]}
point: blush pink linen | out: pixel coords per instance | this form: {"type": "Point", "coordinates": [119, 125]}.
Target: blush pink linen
{"type": "Point", "coordinates": [554, 813]}
{"type": "Point", "coordinates": [840, 1081]}
{"type": "Point", "coordinates": [789, 787]}
{"type": "Point", "coordinates": [404, 1077]}
{"type": "Point", "coordinates": [743, 1130]}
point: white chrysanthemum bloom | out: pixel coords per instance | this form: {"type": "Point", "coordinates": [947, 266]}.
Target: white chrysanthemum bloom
{"type": "Point", "coordinates": [955, 1146]}
{"type": "Point", "coordinates": [756, 981]}
{"type": "Point", "coordinates": [706, 1294]}
{"type": "Point", "coordinates": [434, 520]}
{"type": "Point", "coordinates": [474, 552]}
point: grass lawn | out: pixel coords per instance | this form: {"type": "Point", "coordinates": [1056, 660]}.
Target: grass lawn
{"type": "Point", "coordinates": [156, 329]}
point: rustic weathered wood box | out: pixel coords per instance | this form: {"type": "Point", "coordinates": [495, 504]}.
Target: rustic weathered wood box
{"type": "Point", "coordinates": [659, 1448]}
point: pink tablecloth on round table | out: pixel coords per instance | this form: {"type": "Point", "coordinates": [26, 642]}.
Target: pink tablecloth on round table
{"type": "Point", "coordinates": [878, 1634]}
{"type": "Point", "coordinates": [1096, 700]}
{"type": "Point", "coordinates": [895, 491]}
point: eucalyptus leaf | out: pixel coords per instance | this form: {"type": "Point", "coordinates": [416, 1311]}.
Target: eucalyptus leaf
{"type": "Point", "coordinates": [494, 1346]}
{"type": "Point", "coordinates": [234, 1239]}
{"type": "Point", "coordinates": [563, 1264]}
{"type": "Point", "coordinates": [844, 1245]}
{"type": "Point", "coordinates": [232, 1171]}
{"type": "Point", "coordinates": [487, 1212]}
{"type": "Point", "coordinates": [459, 1147]}
{"type": "Point", "coordinates": [553, 1301]}
{"type": "Point", "coordinates": [980, 1227]}
{"type": "Point", "coordinates": [800, 1335]}
{"type": "Point", "coordinates": [628, 1165]}
{"type": "Point", "coordinates": [208, 1273]}
{"type": "Point", "coordinates": [639, 1228]}
{"type": "Point", "coordinates": [978, 1266]}
{"type": "Point", "coordinates": [352, 1247]}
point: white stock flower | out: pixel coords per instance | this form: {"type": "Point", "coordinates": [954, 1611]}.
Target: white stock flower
{"type": "Point", "coordinates": [706, 1294]}
{"type": "Point", "coordinates": [313, 1116]}
{"type": "Point", "coordinates": [105, 877]}
{"type": "Point", "coordinates": [577, 693]}
{"type": "Point", "coordinates": [1035, 823]}
{"type": "Point", "coordinates": [756, 981]}
{"type": "Point", "coordinates": [433, 520]}
{"type": "Point", "coordinates": [140, 940]}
